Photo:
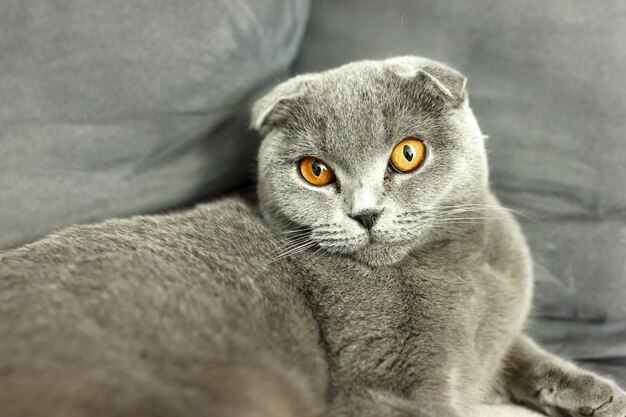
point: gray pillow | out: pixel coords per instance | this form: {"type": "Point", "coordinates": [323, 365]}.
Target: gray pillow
{"type": "Point", "coordinates": [109, 108]}
{"type": "Point", "coordinates": [546, 80]}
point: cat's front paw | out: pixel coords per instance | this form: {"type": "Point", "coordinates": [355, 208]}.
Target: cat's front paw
{"type": "Point", "coordinates": [581, 394]}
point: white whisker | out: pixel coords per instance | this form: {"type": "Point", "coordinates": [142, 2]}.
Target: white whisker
{"type": "Point", "coordinates": [294, 250]}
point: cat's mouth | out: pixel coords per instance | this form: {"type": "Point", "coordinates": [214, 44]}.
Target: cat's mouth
{"type": "Point", "coordinates": [370, 247]}
{"type": "Point", "coordinates": [376, 243]}
{"type": "Point", "coordinates": [380, 253]}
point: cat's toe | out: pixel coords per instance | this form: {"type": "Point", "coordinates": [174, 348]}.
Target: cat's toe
{"type": "Point", "coordinates": [583, 395]}
{"type": "Point", "coordinates": [601, 399]}
{"type": "Point", "coordinates": [615, 406]}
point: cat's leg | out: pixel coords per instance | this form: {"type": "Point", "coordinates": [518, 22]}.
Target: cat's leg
{"type": "Point", "coordinates": [376, 403]}
{"type": "Point", "coordinates": [558, 387]}
{"type": "Point", "coordinates": [504, 410]}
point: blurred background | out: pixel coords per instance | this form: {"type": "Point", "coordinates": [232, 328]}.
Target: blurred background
{"type": "Point", "coordinates": [117, 108]}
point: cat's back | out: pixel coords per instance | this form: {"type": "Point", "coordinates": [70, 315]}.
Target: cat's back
{"type": "Point", "coordinates": [212, 245]}
{"type": "Point", "coordinates": [174, 312]}
{"type": "Point", "coordinates": [199, 232]}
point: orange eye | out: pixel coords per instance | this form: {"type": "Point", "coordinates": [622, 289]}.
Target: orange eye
{"type": "Point", "coordinates": [408, 155]}
{"type": "Point", "coordinates": [316, 172]}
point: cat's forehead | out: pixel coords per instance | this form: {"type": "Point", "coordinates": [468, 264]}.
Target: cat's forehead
{"type": "Point", "coordinates": [349, 93]}
{"type": "Point", "coordinates": [360, 109]}
{"type": "Point", "coordinates": [357, 114]}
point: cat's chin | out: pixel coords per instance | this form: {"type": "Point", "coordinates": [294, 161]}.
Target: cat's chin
{"type": "Point", "coordinates": [382, 255]}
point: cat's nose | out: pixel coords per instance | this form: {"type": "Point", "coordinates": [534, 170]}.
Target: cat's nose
{"type": "Point", "coordinates": [366, 219]}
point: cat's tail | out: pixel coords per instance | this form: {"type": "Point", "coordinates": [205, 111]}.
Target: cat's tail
{"type": "Point", "coordinates": [215, 391]}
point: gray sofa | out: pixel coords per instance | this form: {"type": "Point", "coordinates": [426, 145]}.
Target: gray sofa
{"type": "Point", "coordinates": [115, 108]}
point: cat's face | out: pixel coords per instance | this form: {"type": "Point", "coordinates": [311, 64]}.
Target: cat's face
{"type": "Point", "coordinates": [336, 145]}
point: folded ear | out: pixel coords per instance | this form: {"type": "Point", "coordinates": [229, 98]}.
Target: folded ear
{"type": "Point", "coordinates": [437, 79]}
{"type": "Point", "coordinates": [274, 108]}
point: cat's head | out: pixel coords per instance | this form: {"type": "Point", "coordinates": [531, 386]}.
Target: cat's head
{"type": "Point", "coordinates": [362, 157]}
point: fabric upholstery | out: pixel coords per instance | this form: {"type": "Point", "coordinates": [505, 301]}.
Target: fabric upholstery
{"type": "Point", "coordinates": [111, 108]}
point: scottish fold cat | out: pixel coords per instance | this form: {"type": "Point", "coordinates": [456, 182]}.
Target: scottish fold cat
{"type": "Point", "coordinates": [376, 276]}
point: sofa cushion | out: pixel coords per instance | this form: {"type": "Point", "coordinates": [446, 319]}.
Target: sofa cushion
{"type": "Point", "coordinates": [109, 108]}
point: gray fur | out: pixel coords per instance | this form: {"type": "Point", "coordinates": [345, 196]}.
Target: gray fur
{"type": "Point", "coordinates": [297, 310]}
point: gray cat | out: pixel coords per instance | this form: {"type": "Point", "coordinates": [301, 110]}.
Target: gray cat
{"type": "Point", "coordinates": [379, 277]}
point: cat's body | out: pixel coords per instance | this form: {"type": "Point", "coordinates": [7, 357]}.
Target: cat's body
{"type": "Point", "coordinates": [143, 316]}
{"type": "Point", "coordinates": [377, 293]}
{"type": "Point", "coordinates": [145, 309]}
